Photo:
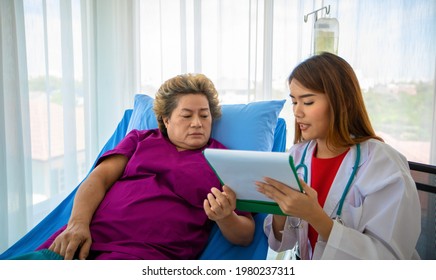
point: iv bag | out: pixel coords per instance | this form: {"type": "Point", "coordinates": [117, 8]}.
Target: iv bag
{"type": "Point", "coordinates": [326, 35]}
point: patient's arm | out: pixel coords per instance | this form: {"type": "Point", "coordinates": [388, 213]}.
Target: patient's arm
{"type": "Point", "coordinates": [219, 207]}
{"type": "Point", "coordinates": [89, 195]}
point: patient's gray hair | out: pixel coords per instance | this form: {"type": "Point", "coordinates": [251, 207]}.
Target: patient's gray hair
{"type": "Point", "coordinates": [167, 96]}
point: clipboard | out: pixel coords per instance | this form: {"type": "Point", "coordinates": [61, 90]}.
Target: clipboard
{"type": "Point", "coordinates": [239, 169]}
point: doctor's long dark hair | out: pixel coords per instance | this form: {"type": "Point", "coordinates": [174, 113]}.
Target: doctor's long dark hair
{"type": "Point", "coordinates": [332, 75]}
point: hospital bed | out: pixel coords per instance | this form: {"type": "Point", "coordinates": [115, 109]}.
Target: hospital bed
{"type": "Point", "coordinates": [252, 126]}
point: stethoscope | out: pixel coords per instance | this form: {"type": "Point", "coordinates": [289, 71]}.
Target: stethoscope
{"type": "Point", "coordinates": [347, 187]}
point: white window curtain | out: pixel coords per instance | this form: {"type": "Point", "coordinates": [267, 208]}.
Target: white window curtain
{"type": "Point", "coordinates": [248, 48]}
{"type": "Point", "coordinates": [68, 72]}
{"type": "Point", "coordinates": [15, 154]}
{"type": "Point", "coordinates": [229, 42]}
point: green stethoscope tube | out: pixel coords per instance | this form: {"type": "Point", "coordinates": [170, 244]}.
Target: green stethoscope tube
{"type": "Point", "coordinates": [347, 187]}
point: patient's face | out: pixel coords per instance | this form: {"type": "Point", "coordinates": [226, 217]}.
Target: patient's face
{"type": "Point", "coordinates": [190, 124]}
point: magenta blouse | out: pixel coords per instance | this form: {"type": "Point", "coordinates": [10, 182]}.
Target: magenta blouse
{"type": "Point", "coordinates": [155, 210]}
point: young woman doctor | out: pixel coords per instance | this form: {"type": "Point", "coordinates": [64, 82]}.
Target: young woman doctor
{"type": "Point", "coordinates": [359, 199]}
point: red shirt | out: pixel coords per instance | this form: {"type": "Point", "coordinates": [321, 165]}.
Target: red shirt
{"type": "Point", "coordinates": [323, 173]}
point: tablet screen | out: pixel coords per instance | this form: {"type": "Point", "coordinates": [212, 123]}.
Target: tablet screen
{"type": "Point", "coordinates": [240, 169]}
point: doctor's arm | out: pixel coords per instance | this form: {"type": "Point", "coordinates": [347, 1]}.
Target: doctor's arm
{"type": "Point", "coordinates": [388, 228]}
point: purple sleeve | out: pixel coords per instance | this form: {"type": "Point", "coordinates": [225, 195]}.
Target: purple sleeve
{"type": "Point", "coordinates": [126, 146]}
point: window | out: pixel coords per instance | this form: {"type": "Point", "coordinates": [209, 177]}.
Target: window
{"type": "Point", "coordinates": [248, 48]}
{"type": "Point", "coordinates": [56, 101]}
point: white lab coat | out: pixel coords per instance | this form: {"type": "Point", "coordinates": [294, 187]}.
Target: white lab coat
{"type": "Point", "coordinates": [381, 213]}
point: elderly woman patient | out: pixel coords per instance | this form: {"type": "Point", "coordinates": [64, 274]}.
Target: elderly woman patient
{"type": "Point", "coordinates": [154, 195]}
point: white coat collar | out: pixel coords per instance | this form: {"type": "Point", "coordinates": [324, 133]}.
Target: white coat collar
{"type": "Point", "coordinates": [343, 174]}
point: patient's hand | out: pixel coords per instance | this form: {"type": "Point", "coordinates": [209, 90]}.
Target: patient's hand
{"type": "Point", "coordinates": [220, 205]}
{"type": "Point", "coordinates": [76, 236]}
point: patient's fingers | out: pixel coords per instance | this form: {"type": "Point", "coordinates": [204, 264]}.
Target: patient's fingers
{"type": "Point", "coordinates": [63, 249]}
{"type": "Point", "coordinates": [84, 250]}
{"type": "Point", "coordinates": [220, 197]}
{"type": "Point", "coordinates": [71, 249]}
{"type": "Point", "coordinates": [54, 248]}
{"type": "Point", "coordinates": [219, 204]}
{"type": "Point", "coordinates": [209, 211]}
{"type": "Point", "coordinates": [231, 196]}
{"type": "Point", "coordinates": [214, 204]}
{"type": "Point", "coordinates": [213, 208]}
{"type": "Point", "coordinates": [58, 247]}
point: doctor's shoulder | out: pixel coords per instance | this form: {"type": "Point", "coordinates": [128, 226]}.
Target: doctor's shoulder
{"type": "Point", "coordinates": [382, 154]}
{"type": "Point", "coordinates": [296, 150]}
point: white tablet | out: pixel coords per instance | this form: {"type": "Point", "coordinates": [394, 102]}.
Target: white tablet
{"type": "Point", "coordinates": [239, 169]}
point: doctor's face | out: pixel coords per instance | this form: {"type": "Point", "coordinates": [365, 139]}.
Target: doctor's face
{"type": "Point", "coordinates": [190, 124]}
{"type": "Point", "coordinates": [311, 111]}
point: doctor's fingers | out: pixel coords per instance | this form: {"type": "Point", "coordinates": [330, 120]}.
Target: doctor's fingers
{"type": "Point", "coordinates": [270, 191]}
{"type": "Point", "coordinates": [300, 204]}
{"type": "Point", "coordinates": [308, 190]}
{"type": "Point", "coordinates": [286, 189]}
{"type": "Point", "coordinates": [271, 185]}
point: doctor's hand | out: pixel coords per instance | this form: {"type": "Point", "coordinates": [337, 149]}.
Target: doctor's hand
{"type": "Point", "coordinates": [220, 205]}
{"type": "Point", "coordinates": [303, 205]}
{"type": "Point", "coordinates": [76, 236]}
